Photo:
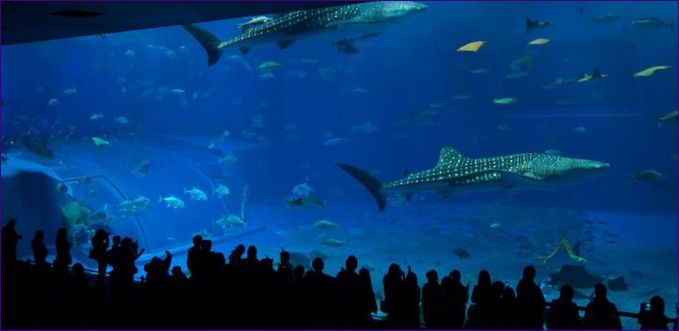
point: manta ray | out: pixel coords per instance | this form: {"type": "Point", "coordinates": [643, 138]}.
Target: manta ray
{"type": "Point", "coordinates": [455, 172]}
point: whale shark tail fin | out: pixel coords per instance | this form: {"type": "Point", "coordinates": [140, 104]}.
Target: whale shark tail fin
{"type": "Point", "coordinates": [209, 41]}
{"type": "Point", "coordinates": [372, 184]}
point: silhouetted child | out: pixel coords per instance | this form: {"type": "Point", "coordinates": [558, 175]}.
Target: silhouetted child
{"type": "Point", "coordinates": [63, 259]}
{"type": "Point", "coordinates": [99, 252]}
{"type": "Point", "coordinates": [563, 312]}
{"type": "Point", "coordinates": [39, 250]}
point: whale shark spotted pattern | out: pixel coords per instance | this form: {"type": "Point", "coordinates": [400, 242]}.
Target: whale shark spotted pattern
{"type": "Point", "coordinates": [456, 172]}
{"type": "Point", "coordinates": [286, 28]}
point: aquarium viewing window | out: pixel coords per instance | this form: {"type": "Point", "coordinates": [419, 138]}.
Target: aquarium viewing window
{"type": "Point", "coordinates": [339, 165]}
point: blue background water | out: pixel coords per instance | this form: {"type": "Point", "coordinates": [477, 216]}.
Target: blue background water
{"type": "Point", "coordinates": [411, 71]}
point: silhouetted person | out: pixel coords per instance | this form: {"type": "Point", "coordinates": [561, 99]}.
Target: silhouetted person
{"type": "Point", "coordinates": [530, 302]}
{"type": "Point", "coordinates": [157, 272]}
{"type": "Point", "coordinates": [502, 309]}
{"type": "Point", "coordinates": [251, 262]}
{"type": "Point", "coordinates": [653, 319]}
{"type": "Point", "coordinates": [99, 252]}
{"type": "Point", "coordinates": [284, 272]}
{"type": "Point", "coordinates": [411, 300]}
{"type": "Point", "coordinates": [393, 295]}
{"type": "Point", "coordinates": [346, 297]}
{"type": "Point", "coordinates": [319, 294]}
{"type": "Point", "coordinates": [39, 249]}
{"type": "Point", "coordinates": [193, 256]}
{"type": "Point", "coordinates": [479, 312]}
{"type": "Point", "coordinates": [455, 296]}
{"type": "Point", "coordinates": [63, 258]}
{"type": "Point", "coordinates": [563, 312]}
{"type": "Point", "coordinates": [433, 305]}
{"type": "Point", "coordinates": [236, 256]}
{"type": "Point", "coordinates": [600, 313]}
{"type": "Point", "coordinates": [10, 240]}
{"type": "Point", "coordinates": [366, 297]}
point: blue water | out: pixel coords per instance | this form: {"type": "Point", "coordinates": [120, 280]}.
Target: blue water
{"type": "Point", "coordinates": [278, 125]}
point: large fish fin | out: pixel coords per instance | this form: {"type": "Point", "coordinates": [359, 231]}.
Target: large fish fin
{"type": "Point", "coordinates": [530, 23]}
{"type": "Point", "coordinates": [209, 41]}
{"type": "Point", "coordinates": [372, 184]}
{"type": "Point", "coordinates": [449, 155]}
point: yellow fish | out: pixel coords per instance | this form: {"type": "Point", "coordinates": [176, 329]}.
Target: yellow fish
{"type": "Point", "coordinates": [505, 101]}
{"type": "Point", "coordinates": [100, 141]}
{"type": "Point", "coordinates": [471, 47]}
{"type": "Point", "coordinates": [650, 71]}
{"type": "Point", "coordinates": [539, 41]}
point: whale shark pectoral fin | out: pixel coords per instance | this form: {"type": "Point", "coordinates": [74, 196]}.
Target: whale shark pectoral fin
{"type": "Point", "coordinates": [449, 155]}
{"type": "Point", "coordinates": [445, 194]}
{"type": "Point", "coordinates": [372, 184]}
{"type": "Point", "coordinates": [210, 42]}
{"type": "Point", "coordinates": [244, 50]}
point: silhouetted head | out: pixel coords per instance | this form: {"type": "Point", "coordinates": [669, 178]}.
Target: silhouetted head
{"type": "Point", "coordinates": [177, 271]}
{"type": "Point", "coordinates": [39, 235]}
{"type": "Point", "coordinates": [497, 288]}
{"type": "Point", "coordinates": [600, 290]}
{"type": "Point", "coordinates": [116, 240]}
{"type": "Point", "coordinates": [657, 305]}
{"type": "Point", "coordinates": [529, 273]}
{"type": "Point", "coordinates": [252, 252]}
{"type": "Point", "coordinates": [240, 249]}
{"type": "Point", "coordinates": [298, 272]}
{"type": "Point", "coordinates": [484, 278]}
{"type": "Point", "coordinates": [267, 263]}
{"type": "Point", "coordinates": [206, 245]}
{"type": "Point", "coordinates": [317, 264]}
{"type": "Point", "coordinates": [455, 275]}
{"type": "Point", "coordinates": [411, 278]}
{"type": "Point", "coordinates": [432, 276]}
{"type": "Point", "coordinates": [364, 274]}
{"type": "Point", "coordinates": [567, 292]}
{"type": "Point", "coordinates": [395, 270]}
{"type": "Point", "coordinates": [61, 234]}
{"type": "Point", "coordinates": [78, 269]}
{"type": "Point", "coordinates": [351, 263]}
{"type": "Point", "coordinates": [11, 223]}
{"type": "Point", "coordinates": [285, 257]}
{"type": "Point", "coordinates": [197, 240]}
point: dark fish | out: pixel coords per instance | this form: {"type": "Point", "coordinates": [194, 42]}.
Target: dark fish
{"type": "Point", "coordinates": [142, 168]}
{"type": "Point", "coordinates": [606, 19]}
{"type": "Point", "coordinates": [609, 234]}
{"type": "Point", "coordinates": [305, 202]}
{"type": "Point", "coordinates": [617, 284]}
{"type": "Point", "coordinates": [535, 25]}
{"type": "Point", "coordinates": [348, 45]}
{"type": "Point", "coordinates": [652, 22]}
{"type": "Point", "coordinates": [462, 253]}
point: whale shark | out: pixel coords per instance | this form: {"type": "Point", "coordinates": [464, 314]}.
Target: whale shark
{"type": "Point", "coordinates": [456, 172]}
{"type": "Point", "coordinates": [286, 28]}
